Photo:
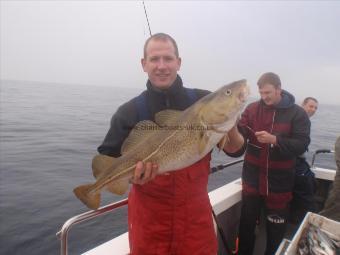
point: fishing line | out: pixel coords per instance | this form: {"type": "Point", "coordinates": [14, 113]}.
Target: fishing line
{"type": "Point", "coordinates": [147, 19]}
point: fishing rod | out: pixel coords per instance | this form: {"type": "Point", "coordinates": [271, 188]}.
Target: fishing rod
{"type": "Point", "coordinates": [147, 19]}
{"type": "Point", "coordinates": [223, 237]}
{"type": "Point", "coordinates": [222, 166]}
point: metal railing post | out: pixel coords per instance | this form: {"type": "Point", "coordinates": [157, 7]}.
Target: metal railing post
{"type": "Point", "coordinates": [317, 152]}
{"type": "Point", "coordinates": [63, 233]}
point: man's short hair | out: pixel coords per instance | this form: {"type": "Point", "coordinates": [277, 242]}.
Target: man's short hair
{"type": "Point", "coordinates": [161, 37]}
{"type": "Point", "coordinates": [305, 101]}
{"type": "Point", "coordinates": [269, 78]}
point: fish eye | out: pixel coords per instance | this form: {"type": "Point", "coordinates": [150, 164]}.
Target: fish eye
{"type": "Point", "coordinates": [228, 92]}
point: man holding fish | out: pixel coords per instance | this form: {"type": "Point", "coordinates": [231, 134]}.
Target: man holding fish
{"type": "Point", "coordinates": [169, 212]}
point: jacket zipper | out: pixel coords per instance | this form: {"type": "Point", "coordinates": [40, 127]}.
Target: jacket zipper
{"type": "Point", "coordinates": [269, 146]}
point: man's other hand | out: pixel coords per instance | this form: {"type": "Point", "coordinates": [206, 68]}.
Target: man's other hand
{"type": "Point", "coordinates": [265, 137]}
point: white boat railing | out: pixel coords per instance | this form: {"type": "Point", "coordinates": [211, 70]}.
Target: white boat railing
{"type": "Point", "coordinates": [322, 173]}
{"type": "Point", "coordinates": [318, 152]}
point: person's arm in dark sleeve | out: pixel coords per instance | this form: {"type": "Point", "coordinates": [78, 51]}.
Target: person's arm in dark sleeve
{"type": "Point", "coordinates": [238, 137]}
{"type": "Point", "coordinates": [297, 143]}
{"type": "Point", "coordinates": [122, 123]}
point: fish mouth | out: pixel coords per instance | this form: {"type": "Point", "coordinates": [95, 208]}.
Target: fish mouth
{"type": "Point", "coordinates": [244, 94]}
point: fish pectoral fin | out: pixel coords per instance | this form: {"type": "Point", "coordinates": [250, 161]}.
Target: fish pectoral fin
{"type": "Point", "coordinates": [118, 187]}
{"type": "Point", "coordinates": [84, 194]}
{"type": "Point", "coordinates": [203, 142]}
{"type": "Point", "coordinates": [225, 140]}
{"type": "Point", "coordinates": [215, 129]}
{"type": "Point", "coordinates": [100, 163]}
{"type": "Point", "coordinates": [139, 133]}
{"type": "Point", "coordinates": [163, 118]}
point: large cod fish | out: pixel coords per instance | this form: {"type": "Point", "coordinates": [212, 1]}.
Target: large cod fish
{"type": "Point", "coordinates": [175, 140]}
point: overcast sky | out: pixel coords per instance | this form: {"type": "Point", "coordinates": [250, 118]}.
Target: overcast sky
{"type": "Point", "coordinates": [100, 42]}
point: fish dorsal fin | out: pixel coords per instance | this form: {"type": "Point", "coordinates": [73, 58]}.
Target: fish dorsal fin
{"type": "Point", "coordinates": [118, 187]}
{"type": "Point", "coordinates": [165, 117]}
{"type": "Point", "coordinates": [139, 133]}
{"type": "Point", "coordinates": [100, 163]}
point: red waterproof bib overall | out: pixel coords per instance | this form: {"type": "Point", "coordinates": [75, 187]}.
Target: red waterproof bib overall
{"type": "Point", "coordinates": [172, 214]}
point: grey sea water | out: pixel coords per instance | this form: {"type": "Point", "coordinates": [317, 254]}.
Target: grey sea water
{"type": "Point", "coordinates": [48, 136]}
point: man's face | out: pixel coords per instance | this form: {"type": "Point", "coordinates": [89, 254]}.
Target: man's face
{"type": "Point", "coordinates": [161, 63]}
{"type": "Point", "coordinates": [269, 94]}
{"type": "Point", "coordinates": [310, 107]}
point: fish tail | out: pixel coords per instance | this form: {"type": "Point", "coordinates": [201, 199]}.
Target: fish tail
{"type": "Point", "coordinates": [84, 194]}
